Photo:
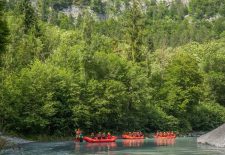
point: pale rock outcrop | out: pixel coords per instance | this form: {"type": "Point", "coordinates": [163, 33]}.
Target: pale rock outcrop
{"type": "Point", "coordinates": [215, 137]}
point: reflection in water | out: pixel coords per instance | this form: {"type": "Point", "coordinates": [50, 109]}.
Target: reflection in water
{"type": "Point", "coordinates": [77, 147]}
{"type": "Point", "coordinates": [100, 146]}
{"type": "Point", "coordinates": [133, 142]}
{"type": "Point", "coordinates": [164, 141]}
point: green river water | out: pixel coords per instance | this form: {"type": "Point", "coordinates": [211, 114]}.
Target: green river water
{"type": "Point", "coordinates": [180, 146]}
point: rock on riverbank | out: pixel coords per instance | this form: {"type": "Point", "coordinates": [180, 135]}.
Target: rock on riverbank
{"type": "Point", "coordinates": [14, 140]}
{"type": "Point", "coordinates": [215, 137]}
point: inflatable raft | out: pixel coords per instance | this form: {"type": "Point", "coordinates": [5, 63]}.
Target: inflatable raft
{"type": "Point", "coordinates": [92, 140]}
{"type": "Point", "coordinates": [132, 137]}
{"type": "Point", "coordinates": [169, 137]}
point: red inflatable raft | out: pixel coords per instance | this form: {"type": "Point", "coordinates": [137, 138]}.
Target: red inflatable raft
{"type": "Point", "coordinates": [132, 137]}
{"type": "Point", "coordinates": [91, 140]}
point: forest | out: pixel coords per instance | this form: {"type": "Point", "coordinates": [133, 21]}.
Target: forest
{"type": "Point", "coordinates": [119, 65]}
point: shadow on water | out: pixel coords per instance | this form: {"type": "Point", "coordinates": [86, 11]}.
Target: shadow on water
{"type": "Point", "coordinates": [180, 146]}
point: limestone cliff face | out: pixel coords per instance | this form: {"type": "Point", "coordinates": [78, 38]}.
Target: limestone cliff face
{"type": "Point", "coordinates": [74, 10]}
{"type": "Point", "coordinates": [215, 137]}
{"type": "Point", "coordinates": [113, 7]}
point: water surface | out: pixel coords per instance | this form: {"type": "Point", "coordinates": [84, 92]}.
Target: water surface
{"type": "Point", "coordinates": [180, 146]}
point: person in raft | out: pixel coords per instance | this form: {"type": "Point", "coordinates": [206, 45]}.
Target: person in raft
{"type": "Point", "coordinates": [160, 134]}
{"type": "Point", "coordinates": [99, 135]}
{"type": "Point", "coordinates": [92, 135]}
{"type": "Point", "coordinates": [109, 135]}
{"type": "Point", "coordinates": [167, 133]}
{"type": "Point", "coordinates": [172, 133]}
{"type": "Point", "coordinates": [130, 134]}
{"type": "Point", "coordinates": [103, 135]}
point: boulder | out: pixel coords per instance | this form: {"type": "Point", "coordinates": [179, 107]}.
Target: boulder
{"type": "Point", "coordinates": [215, 137]}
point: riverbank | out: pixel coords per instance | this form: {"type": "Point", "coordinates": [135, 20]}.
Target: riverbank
{"type": "Point", "coordinates": [3, 143]}
{"type": "Point", "coordinates": [47, 138]}
{"type": "Point", "coordinates": [7, 141]}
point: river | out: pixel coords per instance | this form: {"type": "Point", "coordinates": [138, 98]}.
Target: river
{"type": "Point", "coordinates": [180, 146]}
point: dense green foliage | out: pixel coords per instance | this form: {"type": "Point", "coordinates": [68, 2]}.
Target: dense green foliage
{"type": "Point", "coordinates": [152, 67]}
{"type": "Point", "coordinates": [3, 29]}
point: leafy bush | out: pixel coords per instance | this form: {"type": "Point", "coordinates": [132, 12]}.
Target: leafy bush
{"type": "Point", "coordinates": [207, 116]}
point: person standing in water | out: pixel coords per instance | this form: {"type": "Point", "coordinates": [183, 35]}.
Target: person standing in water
{"type": "Point", "coordinates": [81, 136]}
{"type": "Point", "coordinates": [77, 132]}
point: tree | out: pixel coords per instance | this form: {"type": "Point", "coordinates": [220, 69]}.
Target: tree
{"type": "Point", "coordinates": [206, 8]}
{"type": "Point", "coordinates": [87, 33]}
{"type": "Point", "coordinates": [43, 9]}
{"type": "Point", "coordinates": [214, 66]}
{"type": "Point", "coordinates": [65, 22]}
{"type": "Point", "coordinates": [49, 94]}
{"type": "Point", "coordinates": [183, 87]}
{"type": "Point", "coordinates": [99, 7]}
{"type": "Point", "coordinates": [178, 10]}
{"type": "Point", "coordinates": [29, 16]}
{"type": "Point", "coordinates": [134, 25]}
{"type": "Point", "coordinates": [4, 32]}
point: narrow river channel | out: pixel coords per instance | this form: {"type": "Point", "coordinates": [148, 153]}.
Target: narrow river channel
{"type": "Point", "coordinates": [180, 146]}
